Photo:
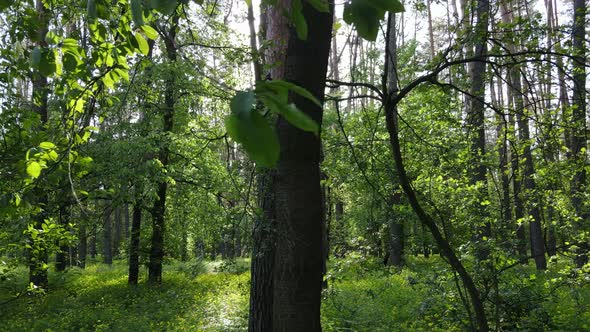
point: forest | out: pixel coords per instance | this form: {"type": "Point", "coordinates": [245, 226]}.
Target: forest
{"type": "Point", "coordinates": [294, 165]}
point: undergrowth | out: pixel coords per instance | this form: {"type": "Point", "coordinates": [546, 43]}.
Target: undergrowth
{"type": "Point", "coordinates": [361, 295]}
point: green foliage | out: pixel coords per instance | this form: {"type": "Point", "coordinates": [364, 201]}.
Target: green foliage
{"type": "Point", "coordinates": [99, 299]}
{"type": "Point", "coordinates": [247, 126]}
{"type": "Point", "coordinates": [366, 15]}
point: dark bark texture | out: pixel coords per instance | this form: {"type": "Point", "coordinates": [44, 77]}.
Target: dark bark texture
{"type": "Point", "coordinates": [134, 245]}
{"type": "Point", "coordinates": [298, 260]}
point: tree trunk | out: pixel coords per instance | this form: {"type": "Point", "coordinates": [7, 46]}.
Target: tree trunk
{"type": "Point", "coordinates": [127, 220]}
{"type": "Point", "coordinates": [476, 128]}
{"type": "Point", "coordinates": [37, 262]}
{"type": "Point", "coordinates": [530, 199]}
{"type": "Point", "coordinates": [263, 256]}
{"type": "Point", "coordinates": [396, 227]}
{"type": "Point", "coordinates": [579, 136]}
{"type": "Point", "coordinates": [82, 244]}
{"type": "Point", "coordinates": [61, 256]}
{"type": "Point", "coordinates": [512, 92]}
{"type": "Point", "coordinates": [159, 208]}
{"type": "Point", "coordinates": [107, 236]}
{"type": "Point", "coordinates": [117, 231]}
{"type": "Point", "coordinates": [134, 245]}
{"type": "Point", "coordinates": [296, 276]}
{"type": "Point", "coordinates": [396, 234]}
{"type": "Point", "coordinates": [390, 105]}
{"type": "Point", "coordinates": [92, 245]}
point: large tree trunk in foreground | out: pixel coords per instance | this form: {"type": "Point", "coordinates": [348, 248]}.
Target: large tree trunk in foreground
{"type": "Point", "coordinates": [298, 260]}
{"type": "Point", "coordinates": [297, 271]}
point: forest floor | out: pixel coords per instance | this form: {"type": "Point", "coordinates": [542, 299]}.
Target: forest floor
{"type": "Point", "coordinates": [362, 296]}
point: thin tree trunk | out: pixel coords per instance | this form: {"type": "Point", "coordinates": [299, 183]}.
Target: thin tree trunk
{"type": "Point", "coordinates": [127, 221]}
{"type": "Point", "coordinates": [117, 231]}
{"type": "Point", "coordinates": [159, 208]}
{"type": "Point", "coordinates": [476, 127]}
{"type": "Point", "coordinates": [530, 198]}
{"type": "Point", "coordinates": [92, 245]}
{"type": "Point", "coordinates": [37, 262]}
{"type": "Point", "coordinates": [107, 236]}
{"type": "Point", "coordinates": [430, 29]}
{"type": "Point", "coordinates": [134, 244]}
{"type": "Point", "coordinates": [514, 90]}
{"type": "Point", "coordinates": [445, 248]}
{"type": "Point", "coordinates": [82, 244]}
{"type": "Point", "coordinates": [396, 227]}
{"type": "Point", "coordinates": [61, 260]}
{"type": "Point", "coordinates": [579, 135]}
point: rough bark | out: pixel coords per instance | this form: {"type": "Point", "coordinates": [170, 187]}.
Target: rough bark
{"type": "Point", "coordinates": [298, 258]}
{"type": "Point", "coordinates": [263, 256]}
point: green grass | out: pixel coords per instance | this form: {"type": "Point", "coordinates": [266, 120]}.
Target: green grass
{"type": "Point", "coordinates": [362, 295]}
{"type": "Point", "coordinates": [99, 299]}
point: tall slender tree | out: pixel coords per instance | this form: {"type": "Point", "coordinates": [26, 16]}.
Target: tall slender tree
{"type": "Point", "coordinates": [579, 131]}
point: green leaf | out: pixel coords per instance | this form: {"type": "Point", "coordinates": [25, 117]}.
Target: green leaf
{"type": "Point", "coordinates": [299, 119]}
{"type": "Point", "coordinates": [143, 46]}
{"type": "Point", "coordinates": [365, 18]}
{"type": "Point", "coordinates": [394, 6]}
{"type": "Point", "coordinates": [47, 65]}
{"type": "Point", "coordinates": [4, 4]}
{"type": "Point", "coordinates": [137, 13]}
{"type": "Point", "coordinates": [47, 145]}
{"type": "Point", "coordinates": [17, 199]}
{"type": "Point", "coordinates": [242, 102]}
{"type": "Point", "coordinates": [292, 87]}
{"type": "Point", "coordinates": [249, 128]}
{"type": "Point", "coordinates": [51, 38]}
{"type": "Point", "coordinates": [366, 15]}
{"type": "Point", "coordinates": [298, 19]}
{"type": "Point", "coordinates": [34, 169]}
{"type": "Point", "coordinates": [150, 32]}
{"type": "Point", "coordinates": [70, 43]}
{"type": "Point", "coordinates": [53, 155]}
{"type": "Point", "coordinates": [291, 113]}
{"type": "Point", "coordinates": [165, 7]}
